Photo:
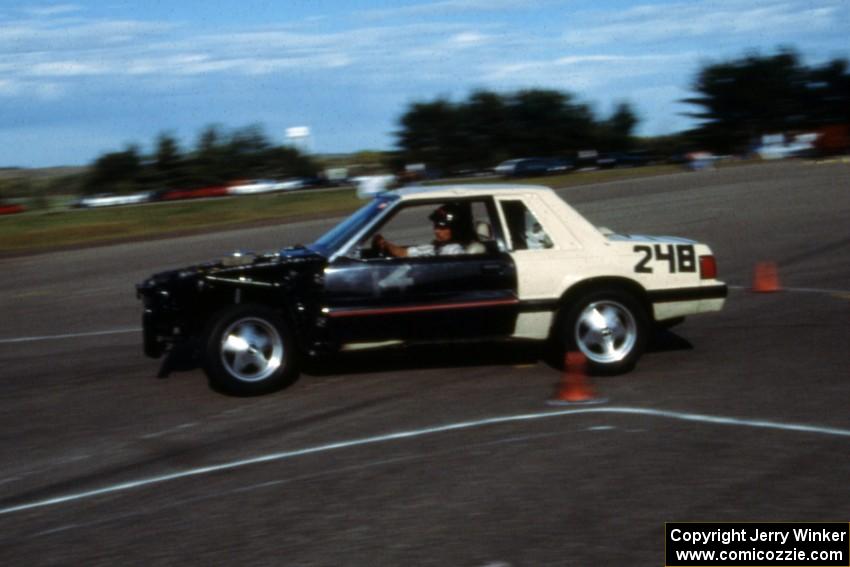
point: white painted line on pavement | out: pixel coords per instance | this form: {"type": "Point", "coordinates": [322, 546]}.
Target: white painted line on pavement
{"type": "Point", "coordinates": [692, 417]}
{"type": "Point", "coordinates": [167, 431]}
{"type": "Point", "coordinates": [69, 336]}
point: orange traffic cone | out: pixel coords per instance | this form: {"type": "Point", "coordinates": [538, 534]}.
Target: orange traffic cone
{"type": "Point", "coordinates": [575, 387]}
{"type": "Point", "coordinates": [766, 278]}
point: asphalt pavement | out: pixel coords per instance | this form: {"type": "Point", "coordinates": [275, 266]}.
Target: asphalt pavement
{"type": "Point", "coordinates": [445, 456]}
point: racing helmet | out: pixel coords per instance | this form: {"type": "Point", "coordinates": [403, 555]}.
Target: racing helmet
{"type": "Point", "coordinates": [445, 216]}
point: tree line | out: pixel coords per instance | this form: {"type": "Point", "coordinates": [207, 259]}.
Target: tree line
{"type": "Point", "coordinates": [490, 127]}
{"type": "Point", "coordinates": [741, 100]}
{"type": "Point", "coordinates": [218, 157]}
{"type": "Point", "coordinates": [737, 102]}
{"type": "Point", "coordinates": [744, 99]}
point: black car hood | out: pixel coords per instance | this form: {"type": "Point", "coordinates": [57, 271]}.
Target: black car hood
{"type": "Point", "coordinates": [235, 266]}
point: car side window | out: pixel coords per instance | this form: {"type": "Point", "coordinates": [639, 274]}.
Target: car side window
{"type": "Point", "coordinates": [409, 227]}
{"type": "Point", "coordinates": [525, 230]}
{"type": "Point", "coordinates": [412, 227]}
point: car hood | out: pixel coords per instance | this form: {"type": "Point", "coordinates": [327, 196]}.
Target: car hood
{"type": "Point", "coordinates": [239, 265]}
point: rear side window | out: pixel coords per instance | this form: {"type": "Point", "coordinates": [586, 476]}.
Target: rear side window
{"type": "Point", "coordinates": [525, 230]}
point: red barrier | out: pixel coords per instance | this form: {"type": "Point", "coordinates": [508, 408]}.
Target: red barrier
{"type": "Point", "coordinates": [11, 209]}
{"type": "Point", "coordinates": [199, 193]}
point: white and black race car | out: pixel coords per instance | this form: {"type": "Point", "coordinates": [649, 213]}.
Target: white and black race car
{"type": "Point", "coordinates": [528, 267]}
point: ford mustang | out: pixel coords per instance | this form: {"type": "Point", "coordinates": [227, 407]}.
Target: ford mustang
{"type": "Point", "coordinates": [523, 265]}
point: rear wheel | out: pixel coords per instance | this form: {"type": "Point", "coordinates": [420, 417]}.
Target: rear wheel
{"type": "Point", "coordinates": [609, 327]}
{"type": "Point", "coordinates": [249, 351]}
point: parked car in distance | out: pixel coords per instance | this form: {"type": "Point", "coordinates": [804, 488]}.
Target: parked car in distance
{"type": "Point", "coordinates": [525, 267]}
{"type": "Point", "coordinates": [622, 159]}
{"type": "Point", "coordinates": [530, 167]}
{"type": "Point", "coordinates": [111, 200]}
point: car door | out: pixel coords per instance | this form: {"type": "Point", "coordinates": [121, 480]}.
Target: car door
{"type": "Point", "coordinates": [422, 298]}
{"type": "Point", "coordinates": [539, 273]}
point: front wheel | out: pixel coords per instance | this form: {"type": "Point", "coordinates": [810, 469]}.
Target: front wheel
{"type": "Point", "coordinates": [249, 351]}
{"type": "Point", "coordinates": [609, 327]}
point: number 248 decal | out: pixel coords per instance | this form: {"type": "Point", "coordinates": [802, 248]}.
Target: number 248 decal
{"type": "Point", "coordinates": [680, 257]}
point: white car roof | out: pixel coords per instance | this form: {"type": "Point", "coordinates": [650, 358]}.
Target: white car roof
{"type": "Point", "coordinates": [477, 190]}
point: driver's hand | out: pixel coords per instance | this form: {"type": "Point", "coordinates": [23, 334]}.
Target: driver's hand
{"type": "Point", "coordinates": [379, 242]}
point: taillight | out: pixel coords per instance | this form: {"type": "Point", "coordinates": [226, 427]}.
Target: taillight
{"type": "Point", "coordinates": [707, 267]}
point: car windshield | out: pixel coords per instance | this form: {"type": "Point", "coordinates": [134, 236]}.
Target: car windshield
{"type": "Point", "coordinates": [332, 240]}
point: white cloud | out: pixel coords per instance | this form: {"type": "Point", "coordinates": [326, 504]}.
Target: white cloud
{"type": "Point", "coordinates": [57, 49]}
{"type": "Point", "coordinates": [40, 90]}
{"type": "Point", "coordinates": [8, 87]}
{"type": "Point", "coordinates": [449, 7]}
{"type": "Point", "coordinates": [594, 54]}
{"type": "Point", "coordinates": [468, 39]}
{"type": "Point", "coordinates": [50, 10]}
{"type": "Point", "coordinates": [60, 51]}
{"type": "Point", "coordinates": [584, 71]}
{"type": "Point", "coordinates": [705, 18]}
{"type": "Point", "coordinates": [66, 69]}
{"type": "Point", "coordinates": [58, 36]}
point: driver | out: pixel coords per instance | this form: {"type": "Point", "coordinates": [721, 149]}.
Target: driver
{"type": "Point", "coordinates": [445, 243]}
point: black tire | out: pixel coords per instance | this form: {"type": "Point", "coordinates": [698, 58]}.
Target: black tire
{"type": "Point", "coordinates": [249, 350]}
{"type": "Point", "coordinates": [609, 326]}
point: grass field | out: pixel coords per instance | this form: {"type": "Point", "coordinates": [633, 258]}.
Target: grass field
{"type": "Point", "coordinates": [31, 232]}
{"type": "Point", "coordinates": [43, 230]}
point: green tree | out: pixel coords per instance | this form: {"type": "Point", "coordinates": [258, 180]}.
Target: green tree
{"type": "Point", "coordinates": [281, 162]}
{"type": "Point", "coordinates": [116, 172]}
{"type": "Point", "coordinates": [828, 93]}
{"type": "Point", "coordinates": [219, 156]}
{"type": "Point", "coordinates": [616, 133]}
{"type": "Point", "coordinates": [208, 164]}
{"type": "Point", "coordinates": [548, 123]}
{"type": "Point", "coordinates": [210, 139]}
{"type": "Point", "coordinates": [245, 152]}
{"type": "Point", "coordinates": [488, 128]}
{"type": "Point", "coordinates": [168, 165]}
{"type": "Point", "coordinates": [746, 98]}
{"type": "Point", "coordinates": [427, 132]}
{"type": "Point", "coordinates": [484, 126]}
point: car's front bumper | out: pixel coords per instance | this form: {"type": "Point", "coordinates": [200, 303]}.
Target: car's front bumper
{"type": "Point", "coordinates": [162, 322]}
{"type": "Point", "coordinates": [152, 345]}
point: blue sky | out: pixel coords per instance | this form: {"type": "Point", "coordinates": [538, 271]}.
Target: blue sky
{"type": "Point", "coordinates": [78, 79]}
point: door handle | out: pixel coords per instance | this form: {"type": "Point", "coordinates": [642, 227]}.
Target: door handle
{"type": "Point", "coordinates": [492, 269]}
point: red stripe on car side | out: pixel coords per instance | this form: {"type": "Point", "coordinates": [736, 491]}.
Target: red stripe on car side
{"type": "Point", "coordinates": [418, 308]}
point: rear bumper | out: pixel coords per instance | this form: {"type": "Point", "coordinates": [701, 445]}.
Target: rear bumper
{"type": "Point", "coordinates": [689, 293]}
{"type": "Point", "coordinates": [680, 302]}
